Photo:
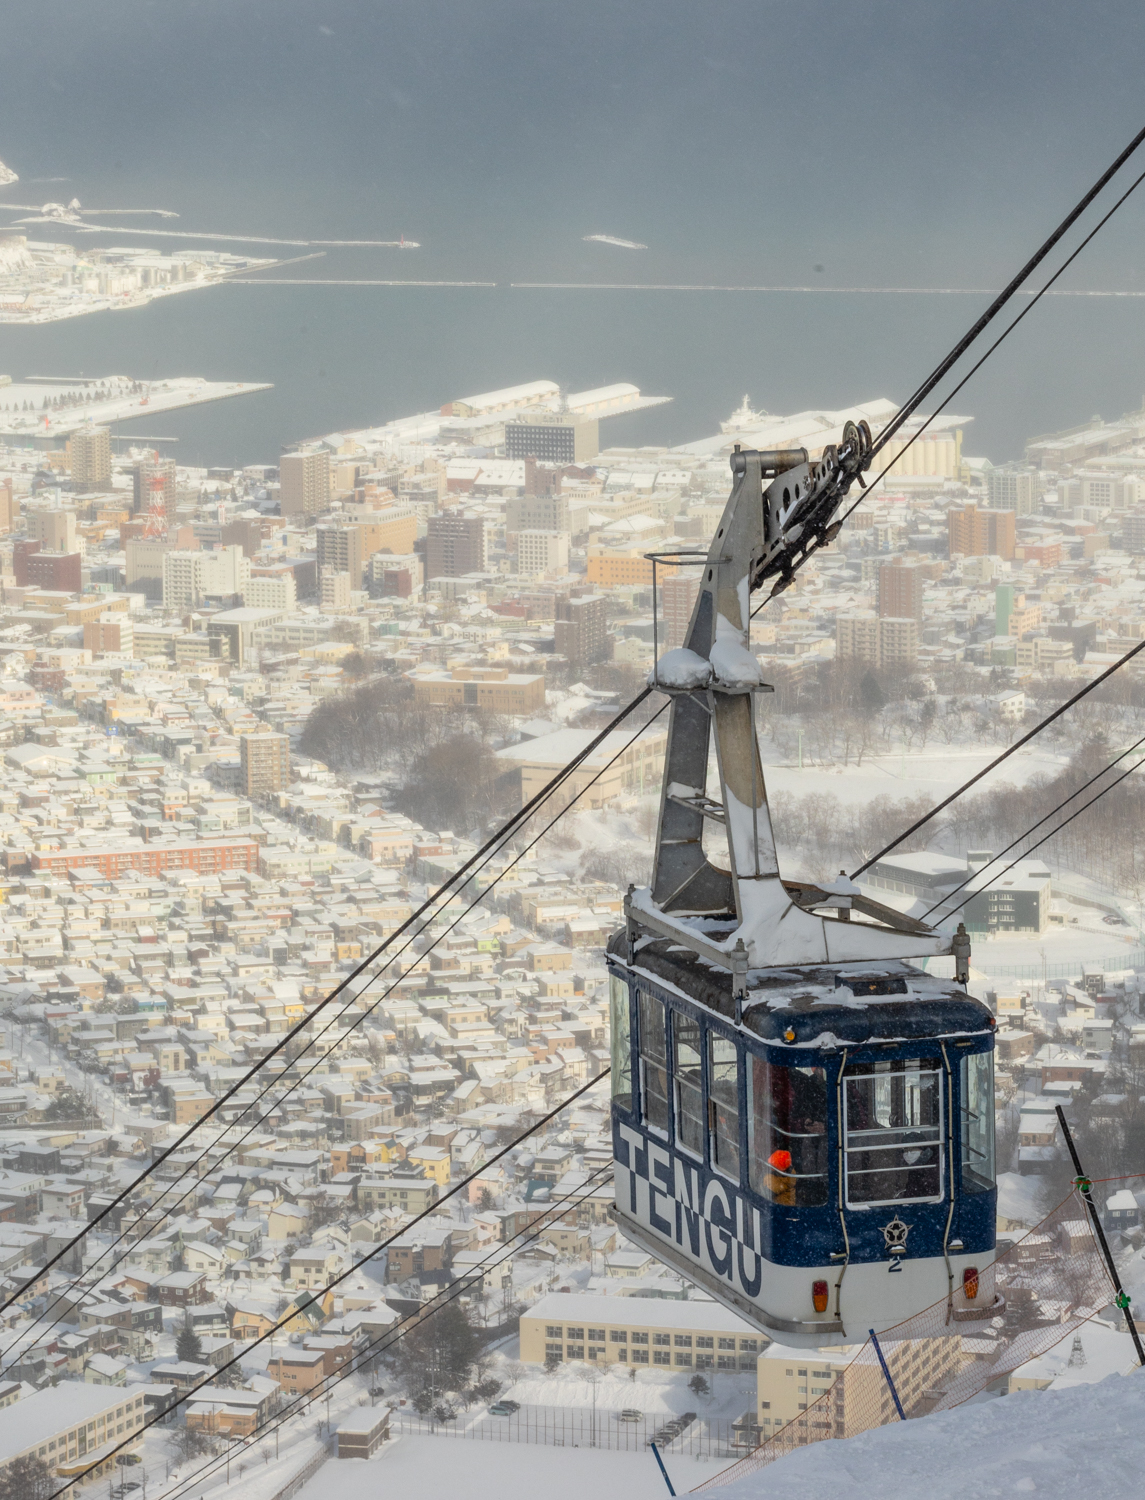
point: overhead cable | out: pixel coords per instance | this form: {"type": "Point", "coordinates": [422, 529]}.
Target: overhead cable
{"type": "Point", "coordinates": [297, 1083]}
{"type": "Point", "coordinates": [1013, 844]}
{"type": "Point", "coordinates": [490, 845]}
{"type": "Point", "coordinates": [342, 1276]}
{"type": "Point", "coordinates": [998, 759]}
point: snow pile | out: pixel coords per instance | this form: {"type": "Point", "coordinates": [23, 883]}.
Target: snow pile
{"type": "Point", "coordinates": [1059, 1444]}
{"type": "Point", "coordinates": [681, 668]}
{"type": "Point", "coordinates": [734, 664]}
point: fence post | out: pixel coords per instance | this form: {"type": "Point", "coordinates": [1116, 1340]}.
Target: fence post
{"type": "Point", "coordinates": [1085, 1188]}
{"type": "Point", "coordinates": [887, 1377]}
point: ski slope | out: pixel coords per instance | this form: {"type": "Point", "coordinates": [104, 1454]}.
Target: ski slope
{"type": "Point", "coordinates": [1061, 1444]}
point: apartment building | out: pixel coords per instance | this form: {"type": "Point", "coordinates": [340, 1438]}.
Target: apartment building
{"type": "Point", "coordinates": [304, 482]}
{"type": "Point", "coordinates": [87, 454]}
{"type": "Point", "coordinates": [264, 760]}
{"type": "Point", "coordinates": [693, 1335]}
{"type": "Point", "coordinates": [977, 533]}
{"type": "Point", "coordinates": [840, 1396]}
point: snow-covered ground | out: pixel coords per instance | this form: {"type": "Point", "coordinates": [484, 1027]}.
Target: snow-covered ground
{"type": "Point", "coordinates": [934, 772]}
{"type": "Point", "coordinates": [655, 1394]}
{"type": "Point", "coordinates": [432, 1468]}
{"type": "Point", "coordinates": [1061, 1445]}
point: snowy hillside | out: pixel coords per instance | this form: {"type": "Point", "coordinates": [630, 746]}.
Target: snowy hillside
{"type": "Point", "coordinates": [1058, 1444]}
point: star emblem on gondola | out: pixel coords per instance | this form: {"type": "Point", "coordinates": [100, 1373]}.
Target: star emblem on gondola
{"type": "Point", "coordinates": [895, 1234]}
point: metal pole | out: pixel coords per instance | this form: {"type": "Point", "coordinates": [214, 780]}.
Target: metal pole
{"type": "Point", "coordinates": [887, 1376]}
{"type": "Point", "coordinates": [1085, 1188]}
{"type": "Point", "coordinates": [663, 1470]}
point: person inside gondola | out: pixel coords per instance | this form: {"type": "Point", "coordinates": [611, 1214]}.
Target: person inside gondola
{"type": "Point", "coordinates": [780, 1181]}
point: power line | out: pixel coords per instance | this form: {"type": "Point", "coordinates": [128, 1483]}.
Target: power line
{"type": "Point", "coordinates": [900, 416]}
{"type": "Point", "coordinates": [342, 1276]}
{"type": "Point", "coordinates": [1035, 826]}
{"type": "Point", "coordinates": [919, 395]}
{"type": "Point", "coordinates": [384, 1341]}
{"type": "Point", "coordinates": [311, 1041]}
{"type": "Point", "coordinates": [505, 831]}
{"type": "Point", "coordinates": [997, 761]}
{"type": "Point", "coordinates": [1002, 337]}
{"type": "Point", "coordinates": [1046, 837]}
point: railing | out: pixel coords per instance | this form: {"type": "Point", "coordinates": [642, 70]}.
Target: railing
{"type": "Point", "coordinates": [1128, 958]}
{"type": "Point", "coordinates": [580, 1427]}
{"type": "Point", "coordinates": [303, 1476]}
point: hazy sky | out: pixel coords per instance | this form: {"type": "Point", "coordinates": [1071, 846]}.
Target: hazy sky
{"type": "Point", "coordinates": [916, 144]}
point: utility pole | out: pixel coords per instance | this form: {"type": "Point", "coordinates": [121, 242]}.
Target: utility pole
{"type": "Point", "coordinates": [1085, 1188]}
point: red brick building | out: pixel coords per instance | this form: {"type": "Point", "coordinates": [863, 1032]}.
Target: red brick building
{"type": "Point", "coordinates": [206, 857]}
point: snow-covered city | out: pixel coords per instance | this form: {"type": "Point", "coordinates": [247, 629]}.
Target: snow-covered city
{"type": "Point", "coordinates": [572, 875]}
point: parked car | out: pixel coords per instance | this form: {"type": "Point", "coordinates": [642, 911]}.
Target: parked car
{"type": "Point", "coordinates": [630, 1414]}
{"type": "Point", "coordinates": [503, 1408]}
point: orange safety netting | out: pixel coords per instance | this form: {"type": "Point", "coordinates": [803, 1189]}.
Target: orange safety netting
{"type": "Point", "coordinates": [1036, 1293]}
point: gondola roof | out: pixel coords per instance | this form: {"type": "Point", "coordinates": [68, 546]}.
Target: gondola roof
{"type": "Point", "coordinates": [844, 1004]}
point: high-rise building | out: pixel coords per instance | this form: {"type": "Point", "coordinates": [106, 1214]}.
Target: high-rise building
{"type": "Point", "coordinates": [113, 631]}
{"type": "Point", "coordinates": [900, 590]}
{"type": "Point", "coordinates": [191, 577]}
{"type": "Point", "coordinates": [265, 763]}
{"type": "Point", "coordinates": [340, 551]}
{"type": "Point", "coordinates": [454, 545]}
{"type": "Point", "coordinates": [678, 594]}
{"type": "Point", "coordinates": [1133, 530]}
{"type": "Point", "coordinates": [9, 505]}
{"type": "Point", "coordinates": [979, 533]}
{"type": "Point", "coordinates": [536, 513]}
{"type": "Point", "coordinates": [271, 588]}
{"type": "Point", "coordinates": [887, 643]}
{"type": "Point", "coordinates": [334, 590]}
{"type": "Point", "coordinates": [542, 552]}
{"type": "Point", "coordinates": [55, 530]}
{"type": "Point", "coordinates": [394, 576]}
{"type": "Point", "coordinates": [552, 437]}
{"type": "Point", "coordinates": [581, 629]}
{"type": "Point", "coordinates": [88, 457]}
{"type": "Point", "coordinates": [304, 483]}
{"type": "Point", "coordinates": [60, 572]}
{"type": "Point", "coordinates": [153, 485]}
{"type": "Point", "coordinates": [1012, 487]}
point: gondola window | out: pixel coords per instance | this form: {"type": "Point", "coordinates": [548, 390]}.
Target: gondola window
{"type": "Point", "coordinates": [621, 1043]}
{"type": "Point", "coordinates": [789, 1134]}
{"type": "Point", "coordinates": [653, 1063]}
{"type": "Point", "coordinates": [977, 1122]}
{"type": "Point", "coordinates": [894, 1131]}
{"type": "Point", "coordinates": [723, 1071]}
{"type": "Point", "coordinates": [689, 1083]}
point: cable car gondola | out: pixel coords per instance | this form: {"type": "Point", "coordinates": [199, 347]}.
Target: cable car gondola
{"type": "Point", "coordinates": [802, 1119]}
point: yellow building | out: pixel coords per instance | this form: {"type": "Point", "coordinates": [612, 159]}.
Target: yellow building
{"type": "Point", "coordinates": [616, 768]}
{"type": "Point", "coordinates": [637, 1331]}
{"type": "Point", "coordinates": [609, 567]}
{"type": "Point", "coordinates": [432, 1161]}
{"type": "Point", "coordinates": [490, 688]}
{"type": "Point", "coordinates": [790, 1381]}
{"type": "Point", "coordinates": [73, 1427]}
